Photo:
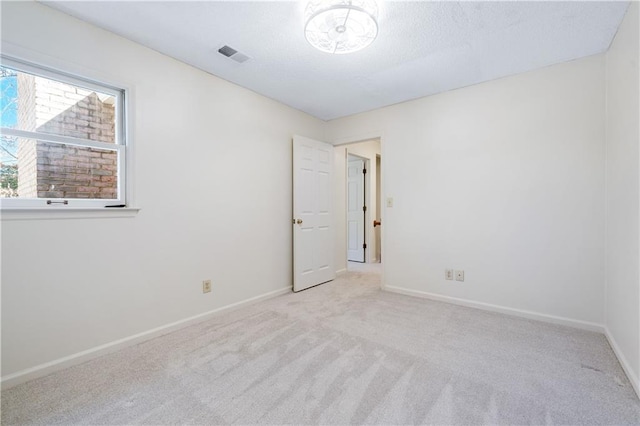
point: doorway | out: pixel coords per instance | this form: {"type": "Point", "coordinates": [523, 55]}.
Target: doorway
{"type": "Point", "coordinates": [359, 238]}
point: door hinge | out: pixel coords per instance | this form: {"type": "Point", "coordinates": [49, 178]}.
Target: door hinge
{"type": "Point", "coordinates": [364, 245]}
{"type": "Point", "coordinates": [364, 208]}
{"type": "Point", "coordinates": [364, 171]}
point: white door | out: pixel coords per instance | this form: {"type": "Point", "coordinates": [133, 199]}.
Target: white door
{"type": "Point", "coordinates": [355, 209]}
{"type": "Point", "coordinates": [312, 213]}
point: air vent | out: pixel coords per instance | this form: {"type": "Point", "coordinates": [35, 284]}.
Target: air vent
{"type": "Point", "coordinates": [232, 53]}
{"type": "Point", "coordinates": [227, 51]}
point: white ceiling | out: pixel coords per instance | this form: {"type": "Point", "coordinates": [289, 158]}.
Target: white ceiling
{"type": "Point", "coordinates": [422, 47]}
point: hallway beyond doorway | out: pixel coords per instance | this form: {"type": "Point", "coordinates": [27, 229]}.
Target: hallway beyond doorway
{"type": "Point", "coordinates": [375, 268]}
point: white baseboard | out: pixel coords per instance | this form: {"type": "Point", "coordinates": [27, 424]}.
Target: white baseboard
{"type": "Point", "coordinates": [341, 272]}
{"type": "Point", "coordinates": [633, 378]}
{"type": "Point", "coordinates": [98, 351]}
{"type": "Point", "coordinates": [584, 325]}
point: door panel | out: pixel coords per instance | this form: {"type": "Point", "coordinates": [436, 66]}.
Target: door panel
{"type": "Point", "coordinates": [312, 213]}
{"type": "Point", "coordinates": [355, 213]}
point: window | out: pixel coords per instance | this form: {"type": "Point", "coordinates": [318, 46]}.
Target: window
{"type": "Point", "coordinates": [62, 140]}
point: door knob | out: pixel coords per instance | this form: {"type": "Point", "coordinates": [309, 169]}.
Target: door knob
{"type": "Point", "coordinates": [377, 223]}
{"type": "Point", "coordinates": [299, 221]}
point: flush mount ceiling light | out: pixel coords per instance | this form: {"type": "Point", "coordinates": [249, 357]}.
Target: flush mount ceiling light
{"type": "Point", "coordinates": [341, 26]}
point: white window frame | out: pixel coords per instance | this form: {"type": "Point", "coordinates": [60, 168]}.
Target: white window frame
{"type": "Point", "coordinates": [119, 146]}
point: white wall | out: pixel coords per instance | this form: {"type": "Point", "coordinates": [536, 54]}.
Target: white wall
{"type": "Point", "coordinates": [623, 192]}
{"type": "Point", "coordinates": [208, 207]}
{"type": "Point", "coordinates": [504, 180]}
{"type": "Point", "coordinates": [367, 150]}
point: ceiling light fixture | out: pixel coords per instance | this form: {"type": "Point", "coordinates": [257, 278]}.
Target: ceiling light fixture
{"type": "Point", "coordinates": [341, 26]}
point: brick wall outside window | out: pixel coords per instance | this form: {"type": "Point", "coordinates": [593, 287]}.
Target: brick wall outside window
{"type": "Point", "coordinates": [51, 170]}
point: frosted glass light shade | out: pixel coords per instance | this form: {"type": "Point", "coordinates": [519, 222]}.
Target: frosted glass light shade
{"type": "Point", "coordinates": [341, 26]}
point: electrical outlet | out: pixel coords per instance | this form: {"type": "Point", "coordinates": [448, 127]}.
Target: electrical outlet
{"type": "Point", "coordinates": [448, 274]}
{"type": "Point", "coordinates": [459, 275]}
{"type": "Point", "coordinates": [206, 286]}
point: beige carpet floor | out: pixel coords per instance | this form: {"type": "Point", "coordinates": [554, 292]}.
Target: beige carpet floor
{"type": "Point", "coordinates": [343, 353]}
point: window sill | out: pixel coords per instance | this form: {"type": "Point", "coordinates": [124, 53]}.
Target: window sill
{"type": "Point", "coordinates": [66, 213]}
